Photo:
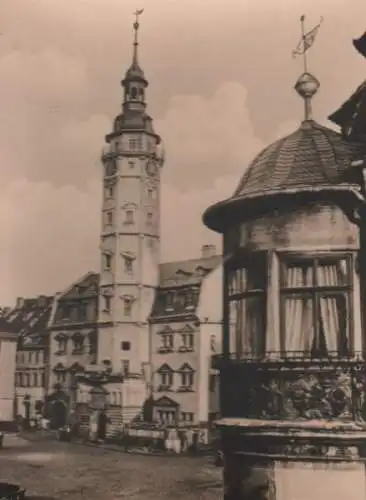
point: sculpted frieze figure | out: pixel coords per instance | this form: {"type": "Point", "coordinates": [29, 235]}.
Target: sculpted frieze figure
{"type": "Point", "coordinates": [337, 394]}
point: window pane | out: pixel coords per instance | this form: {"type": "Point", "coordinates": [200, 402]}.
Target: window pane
{"type": "Point", "coordinates": [244, 279]}
{"type": "Point", "coordinates": [250, 326]}
{"type": "Point", "coordinates": [333, 324]}
{"type": "Point", "coordinates": [332, 272]}
{"type": "Point", "coordinates": [298, 274]}
{"type": "Point", "coordinates": [298, 325]}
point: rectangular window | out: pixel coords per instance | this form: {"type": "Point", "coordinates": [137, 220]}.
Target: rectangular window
{"type": "Point", "coordinates": [125, 346]}
{"type": "Point", "coordinates": [131, 164]}
{"type": "Point", "coordinates": [128, 265]}
{"type": "Point", "coordinates": [166, 378]}
{"type": "Point", "coordinates": [187, 417]}
{"type": "Point", "coordinates": [62, 346]}
{"type": "Point", "coordinates": [166, 416]}
{"type": "Point", "coordinates": [187, 379]}
{"type": "Point", "coordinates": [127, 307]}
{"type": "Point", "coordinates": [132, 144]}
{"type": "Point", "coordinates": [107, 303]}
{"type": "Point", "coordinates": [125, 366]}
{"type": "Point", "coordinates": [149, 218]}
{"type": "Point", "coordinates": [78, 344]}
{"type": "Point", "coordinates": [167, 340]}
{"type": "Point", "coordinates": [35, 379]}
{"type": "Point", "coordinates": [188, 341]}
{"type": "Point", "coordinates": [129, 217]}
{"type": "Point", "coordinates": [110, 192]}
{"type": "Point", "coordinates": [109, 216]}
{"type": "Point", "coordinates": [107, 261]}
{"type": "Point", "coordinates": [247, 284]}
{"type": "Point", "coordinates": [315, 305]}
{"type": "Point", "coordinates": [212, 382]}
{"type": "Point", "coordinates": [36, 356]}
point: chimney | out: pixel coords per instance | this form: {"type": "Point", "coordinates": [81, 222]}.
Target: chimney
{"type": "Point", "coordinates": [208, 251]}
{"type": "Point", "coordinates": [19, 302]}
{"type": "Point", "coordinates": [41, 301]}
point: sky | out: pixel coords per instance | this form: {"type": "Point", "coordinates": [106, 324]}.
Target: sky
{"type": "Point", "coordinates": [221, 89]}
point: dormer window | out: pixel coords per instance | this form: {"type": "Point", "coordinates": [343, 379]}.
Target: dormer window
{"type": "Point", "coordinates": [169, 301]}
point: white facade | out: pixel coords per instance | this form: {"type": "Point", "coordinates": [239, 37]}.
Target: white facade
{"type": "Point", "coordinates": [8, 344]}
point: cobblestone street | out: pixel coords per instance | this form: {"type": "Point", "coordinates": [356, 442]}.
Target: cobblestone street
{"type": "Point", "coordinates": [53, 470]}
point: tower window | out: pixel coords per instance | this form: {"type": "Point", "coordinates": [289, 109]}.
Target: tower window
{"type": "Point", "coordinates": [107, 261]}
{"type": "Point", "coordinates": [128, 266]}
{"type": "Point", "coordinates": [109, 218]}
{"type": "Point", "coordinates": [134, 92]}
{"type": "Point", "coordinates": [125, 346]}
{"type": "Point", "coordinates": [131, 164]}
{"type": "Point", "coordinates": [150, 193]}
{"type": "Point", "coordinates": [129, 217]}
{"type": "Point", "coordinates": [149, 218]}
{"type": "Point", "coordinates": [107, 304]}
{"type": "Point", "coordinates": [127, 307]}
{"type": "Point", "coordinates": [110, 192]}
{"type": "Point", "coordinates": [133, 144]}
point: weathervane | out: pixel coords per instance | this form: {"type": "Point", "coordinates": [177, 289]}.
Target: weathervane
{"type": "Point", "coordinates": [136, 26]}
{"type": "Point", "coordinates": [307, 85]}
{"type": "Point", "coordinates": [307, 40]}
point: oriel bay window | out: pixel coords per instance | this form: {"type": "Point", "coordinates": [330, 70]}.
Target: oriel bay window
{"type": "Point", "coordinates": [247, 284]}
{"type": "Point", "coordinates": [315, 305]}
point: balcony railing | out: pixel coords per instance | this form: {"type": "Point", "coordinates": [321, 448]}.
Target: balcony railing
{"type": "Point", "coordinates": [287, 357]}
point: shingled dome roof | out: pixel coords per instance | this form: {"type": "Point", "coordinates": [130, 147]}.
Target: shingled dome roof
{"type": "Point", "coordinates": [313, 158]}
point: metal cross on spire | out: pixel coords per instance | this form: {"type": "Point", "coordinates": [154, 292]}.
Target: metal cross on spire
{"type": "Point", "coordinates": [136, 26]}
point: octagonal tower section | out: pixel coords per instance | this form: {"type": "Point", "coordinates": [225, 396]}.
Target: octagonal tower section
{"type": "Point", "coordinates": [292, 370]}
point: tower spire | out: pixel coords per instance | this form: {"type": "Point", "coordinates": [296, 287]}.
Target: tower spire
{"type": "Point", "coordinates": [136, 26]}
{"type": "Point", "coordinates": [307, 85]}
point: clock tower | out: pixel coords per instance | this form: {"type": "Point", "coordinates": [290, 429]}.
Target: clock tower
{"type": "Point", "coordinates": [130, 228]}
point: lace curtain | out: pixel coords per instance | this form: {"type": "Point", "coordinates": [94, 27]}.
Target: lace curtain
{"type": "Point", "coordinates": [327, 333]}
{"type": "Point", "coordinates": [247, 321]}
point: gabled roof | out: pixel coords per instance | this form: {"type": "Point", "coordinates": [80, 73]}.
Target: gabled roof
{"type": "Point", "coordinates": [85, 286]}
{"type": "Point", "coordinates": [186, 272]}
{"type": "Point", "coordinates": [164, 368]}
{"type": "Point", "coordinates": [29, 319]}
{"type": "Point", "coordinates": [166, 402]}
{"type": "Point", "coordinates": [186, 367]}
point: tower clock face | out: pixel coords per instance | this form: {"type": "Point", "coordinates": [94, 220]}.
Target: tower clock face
{"type": "Point", "coordinates": [151, 168]}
